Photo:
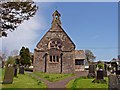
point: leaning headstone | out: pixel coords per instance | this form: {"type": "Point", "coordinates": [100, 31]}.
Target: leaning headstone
{"type": "Point", "coordinates": [8, 77]}
{"type": "Point", "coordinates": [21, 70]}
{"type": "Point", "coordinates": [100, 75]}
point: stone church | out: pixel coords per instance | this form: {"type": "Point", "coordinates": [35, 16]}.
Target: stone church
{"type": "Point", "coordinates": [55, 52]}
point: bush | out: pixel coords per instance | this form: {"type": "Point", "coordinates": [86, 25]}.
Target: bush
{"type": "Point", "coordinates": [100, 65]}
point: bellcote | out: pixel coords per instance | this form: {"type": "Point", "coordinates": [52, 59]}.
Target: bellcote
{"type": "Point", "coordinates": [56, 19]}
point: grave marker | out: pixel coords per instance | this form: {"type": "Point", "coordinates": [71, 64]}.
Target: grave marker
{"type": "Point", "coordinates": [21, 70]}
{"type": "Point", "coordinates": [8, 77]}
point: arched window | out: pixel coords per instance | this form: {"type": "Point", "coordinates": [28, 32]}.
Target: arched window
{"type": "Point", "coordinates": [55, 43]}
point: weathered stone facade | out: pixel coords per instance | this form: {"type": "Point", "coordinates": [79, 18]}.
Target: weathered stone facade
{"type": "Point", "coordinates": [55, 53]}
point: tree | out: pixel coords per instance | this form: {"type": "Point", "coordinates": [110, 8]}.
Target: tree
{"type": "Point", "coordinates": [89, 56]}
{"type": "Point", "coordinates": [12, 14]}
{"type": "Point", "coordinates": [25, 56]}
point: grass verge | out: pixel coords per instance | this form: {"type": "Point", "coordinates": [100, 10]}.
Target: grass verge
{"type": "Point", "coordinates": [86, 83]}
{"type": "Point", "coordinates": [23, 81]}
{"type": "Point", "coordinates": [53, 77]}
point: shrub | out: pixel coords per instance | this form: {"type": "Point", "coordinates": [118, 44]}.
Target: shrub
{"type": "Point", "coordinates": [100, 65]}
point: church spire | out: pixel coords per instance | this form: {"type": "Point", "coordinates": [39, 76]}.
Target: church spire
{"type": "Point", "coordinates": [56, 18]}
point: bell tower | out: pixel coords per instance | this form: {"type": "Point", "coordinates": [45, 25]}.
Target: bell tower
{"type": "Point", "coordinates": [56, 19]}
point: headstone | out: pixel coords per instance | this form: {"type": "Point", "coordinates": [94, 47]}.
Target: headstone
{"type": "Point", "coordinates": [21, 70]}
{"type": "Point", "coordinates": [91, 73]}
{"type": "Point", "coordinates": [105, 70]}
{"type": "Point", "coordinates": [114, 82]}
{"type": "Point", "coordinates": [100, 75]}
{"type": "Point", "coordinates": [92, 69]}
{"type": "Point", "coordinates": [8, 77]}
{"type": "Point", "coordinates": [15, 71]}
{"type": "Point", "coordinates": [118, 72]}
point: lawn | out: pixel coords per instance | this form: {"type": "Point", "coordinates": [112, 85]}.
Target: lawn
{"type": "Point", "coordinates": [53, 77]}
{"type": "Point", "coordinates": [23, 81]}
{"type": "Point", "coordinates": [86, 83]}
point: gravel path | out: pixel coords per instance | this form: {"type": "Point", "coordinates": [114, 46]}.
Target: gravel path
{"type": "Point", "coordinates": [60, 83]}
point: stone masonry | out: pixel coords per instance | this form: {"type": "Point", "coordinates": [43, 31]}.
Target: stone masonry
{"type": "Point", "coordinates": [55, 53]}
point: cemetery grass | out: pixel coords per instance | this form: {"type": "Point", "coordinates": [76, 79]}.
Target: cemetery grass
{"type": "Point", "coordinates": [23, 81]}
{"type": "Point", "coordinates": [86, 83]}
{"type": "Point", "coordinates": [53, 77]}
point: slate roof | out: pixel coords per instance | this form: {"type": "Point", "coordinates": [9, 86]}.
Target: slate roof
{"type": "Point", "coordinates": [80, 54]}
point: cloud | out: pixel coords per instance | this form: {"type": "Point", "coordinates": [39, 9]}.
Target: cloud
{"type": "Point", "coordinates": [25, 35]}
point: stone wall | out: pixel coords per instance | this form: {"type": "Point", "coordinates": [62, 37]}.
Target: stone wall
{"type": "Point", "coordinates": [68, 65]}
{"type": "Point", "coordinates": [39, 64]}
{"type": "Point", "coordinates": [68, 62]}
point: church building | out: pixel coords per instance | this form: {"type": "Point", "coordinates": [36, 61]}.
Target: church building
{"type": "Point", "coordinates": [55, 52]}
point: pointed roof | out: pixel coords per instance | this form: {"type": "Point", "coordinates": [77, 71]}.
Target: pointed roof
{"type": "Point", "coordinates": [56, 13]}
{"type": "Point", "coordinates": [56, 26]}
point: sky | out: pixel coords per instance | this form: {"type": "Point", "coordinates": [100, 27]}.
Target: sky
{"type": "Point", "coordinates": [90, 25]}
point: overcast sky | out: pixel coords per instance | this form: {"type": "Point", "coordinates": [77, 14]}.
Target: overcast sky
{"type": "Point", "coordinates": [91, 26]}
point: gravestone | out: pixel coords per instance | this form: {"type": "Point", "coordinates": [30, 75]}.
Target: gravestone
{"type": "Point", "coordinates": [21, 70]}
{"type": "Point", "coordinates": [114, 82]}
{"type": "Point", "coordinates": [118, 72]}
{"type": "Point", "coordinates": [91, 71]}
{"type": "Point", "coordinates": [100, 75]}
{"type": "Point", "coordinates": [105, 70]}
{"type": "Point", "coordinates": [115, 67]}
{"type": "Point", "coordinates": [15, 70]}
{"type": "Point", "coordinates": [8, 77]}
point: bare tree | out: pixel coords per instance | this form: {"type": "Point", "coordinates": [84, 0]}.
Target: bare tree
{"type": "Point", "coordinates": [89, 56]}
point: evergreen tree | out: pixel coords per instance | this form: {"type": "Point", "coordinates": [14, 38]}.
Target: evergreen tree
{"type": "Point", "coordinates": [25, 56]}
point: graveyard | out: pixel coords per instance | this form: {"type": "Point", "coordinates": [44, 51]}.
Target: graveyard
{"type": "Point", "coordinates": [22, 81]}
{"type": "Point", "coordinates": [97, 76]}
{"type": "Point", "coordinates": [59, 59]}
{"type": "Point", "coordinates": [86, 83]}
{"type": "Point", "coordinates": [104, 75]}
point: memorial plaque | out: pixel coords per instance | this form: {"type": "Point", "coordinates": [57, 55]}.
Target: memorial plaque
{"type": "Point", "coordinates": [8, 77]}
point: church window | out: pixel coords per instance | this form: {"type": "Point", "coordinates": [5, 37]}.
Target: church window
{"type": "Point", "coordinates": [54, 58]}
{"type": "Point", "coordinates": [50, 58]}
{"type": "Point", "coordinates": [79, 62]}
{"type": "Point", "coordinates": [55, 44]}
{"type": "Point", "coordinates": [57, 58]}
